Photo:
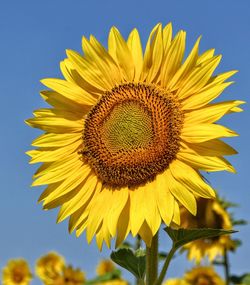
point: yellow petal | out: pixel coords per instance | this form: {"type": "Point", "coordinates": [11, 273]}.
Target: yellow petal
{"type": "Point", "coordinates": [56, 124]}
{"type": "Point", "coordinates": [167, 37]}
{"type": "Point", "coordinates": [176, 217]}
{"type": "Point", "coordinates": [204, 96]}
{"type": "Point", "coordinates": [152, 214]}
{"type": "Point", "coordinates": [123, 225]}
{"type": "Point", "coordinates": [55, 165]}
{"type": "Point", "coordinates": [173, 59]}
{"type": "Point", "coordinates": [97, 212]}
{"type": "Point", "coordinates": [204, 132]}
{"type": "Point", "coordinates": [182, 194]}
{"type": "Point", "coordinates": [165, 200]}
{"type": "Point", "coordinates": [103, 61]}
{"type": "Point", "coordinates": [206, 163]}
{"type": "Point", "coordinates": [81, 215]}
{"type": "Point", "coordinates": [56, 140]}
{"type": "Point", "coordinates": [198, 78]}
{"type": "Point", "coordinates": [69, 183]}
{"type": "Point", "coordinates": [89, 71]}
{"type": "Point", "coordinates": [61, 102]}
{"type": "Point", "coordinates": [205, 56]}
{"type": "Point", "coordinates": [153, 55]}
{"type": "Point", "coordinates": [118, 201]}
{"type": "Point", "coordinates": [211, 113]}
{"type": "Point", "coordinates": [134, 45]}
{"type": "Point", "coordinates": [146, 234]}
{"type": "Point", "coordinates": [48, 155]}
{"type": "Point", "coordinates": [58, 174]}
{"type": "Point", "coordinates": [137, 209]}
{"type": "Point", "coordinates": [85, 192]}
{"type": "Point", "coordinates": [186, 67]}
{"type": "Point", "coordinates": [59, 201]}
{"type": "Point", "coordinates": [222, 77]}
{"type": "Point", "coordinates": [190, 179]}
{"type": "Point", "coordinates": [119, 50]}
{"type": "Point", "coordinates": [70, 90]}
{"type": "Point", "coordinates": [210, 148]}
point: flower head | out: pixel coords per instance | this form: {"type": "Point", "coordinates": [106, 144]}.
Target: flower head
{"type": "Point", "coordinates": [175, 282]}
{"type": "Point", "coordinates": [203, 276]}
{"type": "Point", "coordinates": [105, 266]}
{"type": "Point", "coordinates": [210, 214]}
{"type": "Point", "coordinates": [49, 267]}
{"type": "Point", "coordinates": [16, 272]}
{"type": "Point", "coordinates": [70, 276]}
{"type": "Point", "coordinates": [128, 132]}
{"type": "Point", "coordinates": [114, 282]}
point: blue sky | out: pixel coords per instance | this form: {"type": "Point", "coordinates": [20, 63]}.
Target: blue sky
{"type": "Point", "coordinates": [34, 36]}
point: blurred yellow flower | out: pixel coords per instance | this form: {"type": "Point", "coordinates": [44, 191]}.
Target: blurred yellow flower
{"type": "Point", "coordinates": [114, 282]}
{"type": "Point", "coordinates": [175, 282]}
{"type": "Point", "coordinates": [49, 267]}
{"type": "Point", "coordinates": [128, 133]}
{"type": "Point", "coordinates": [16, 272]}
{"type": "Point", "coordinates": [105, 266]}
{"type": "Point", "coordinates": [203, 276]}
{"type": "Point", "coordinates": [210, 214]}
{"type": "Point", "coordinates": [70, 276]}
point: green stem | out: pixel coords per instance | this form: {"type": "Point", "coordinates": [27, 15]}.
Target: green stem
{"type": "Point", "coordinates": [137, 246]}
{"type": "Point", "coordinates": [165, 266]}
{"type": "Point", "coordinates": [152, 261]}
{"type": "Point", "coordinates": [140, 282]}
{"type": "Point", "coordinates": [226, 266]}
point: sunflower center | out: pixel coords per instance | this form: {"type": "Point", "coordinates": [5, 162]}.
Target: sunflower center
{"type": "Point", "coordinates": [128, 127]}
{"type": "Point", "coordinates": [132, 134]}
{"type": "Point", "coordinates": [18, 276]}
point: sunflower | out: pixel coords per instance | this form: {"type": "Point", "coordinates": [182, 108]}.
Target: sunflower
{"type": "Point", "coordinates": [105, 266]}
{"type": "Point", "coordinates": [49, 267]}
{"type": "Point", "coordinates": [175, 282]}
{"type": "Point", "coordinates": [70, 276]}
{"type": "Point", "coordinates": [210, 214]}
{"type": "Point", "coordinates": [16, 272]}
{"type": "Point", "coordinates": [114, 282]}
{"type": "Point", "coordinates": [128, 133]}
{"type": "Point", "coordinates": [203, 276]}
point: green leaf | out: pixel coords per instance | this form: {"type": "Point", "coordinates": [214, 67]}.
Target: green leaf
{"type": "Point", "coordinates": [115, 274]}
{"type": "Point", "coordinates": [239, 222]}
{"type": "Point", "coordinates": [134, 263]}
{"type": "Point", "coordinates": [246, 279]}
{"type": "Point", "coordinates": [241, 280]}
{"type": "Point", "coordinates": [237, 242]}
{"type": "Point", "coordinates": [183, 236]}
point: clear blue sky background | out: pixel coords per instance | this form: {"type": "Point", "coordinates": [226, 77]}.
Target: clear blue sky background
{"type": "Point", "coordinates": [33, 39]}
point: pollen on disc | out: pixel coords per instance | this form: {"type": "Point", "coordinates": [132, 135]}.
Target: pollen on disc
{"type": "Point", "coordinates": [128, 127]}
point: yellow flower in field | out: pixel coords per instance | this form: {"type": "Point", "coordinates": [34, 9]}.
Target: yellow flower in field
{"type": "Point", "coordinates": [105, 266]}
{"type": "Point", "coordinates": [203, 276]}
{"type": "Point", "coordinates": [210, 214]}
{"type": "Point", "coordinates": [49, 267]}
{"type": "Point", "coordinates": [128, 133]}
{"type": "Point", "coordinates": [175, 282]}
{"type": "Point", "coordinates": [16, 272]}
{"type": "Point", "coordinates": [70, 276]}
{"type": "Point", "coordinates": [114, 282]}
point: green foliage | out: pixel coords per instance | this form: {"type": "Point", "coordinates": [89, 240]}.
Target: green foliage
{"type": "Point", "coordinates": [134, 262]}
{"type": "Point", "coordinates": [241, 280]}
{"type": "Point", "coordinates": [115, 274]}
{"type": "Point", "coordinates": [182, 236]}
{"type": "Point", "coordinates": [240, 222]}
